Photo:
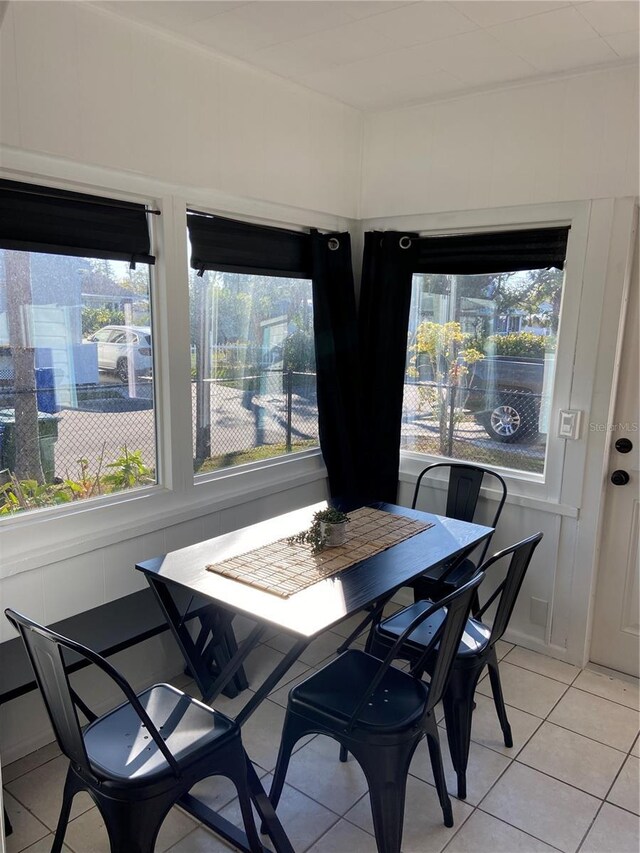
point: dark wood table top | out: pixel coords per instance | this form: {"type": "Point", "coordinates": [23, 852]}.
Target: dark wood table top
{"type": "Point", "coordinates": [318, 607]}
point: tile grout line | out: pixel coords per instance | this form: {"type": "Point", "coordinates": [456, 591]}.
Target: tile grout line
{"type": "Point", "coordinates": [543, 720]}
{"type": "Point", "coordinates": [569, 684]}
{"type": "Point", "coordinates": [478, 807]}
{"type": "Point", "coordinates": [588, 737]}
{"type": "Point", "coordinates": [606, 699]}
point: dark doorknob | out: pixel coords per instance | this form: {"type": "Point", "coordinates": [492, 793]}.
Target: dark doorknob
{"type": "Point", "coordinates": [619, 478]}
{"type": "Point", "coordinates": [624, 445]}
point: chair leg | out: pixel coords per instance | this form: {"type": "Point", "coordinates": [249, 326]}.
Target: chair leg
{"type": "Point", "coordinates": [247, 814]}
{"type": "Point", "coordinates": [435, 754]}
{"type": "Point", "coordinates": [270, 822]}
{"type": "Point", "coordinates": [133, 826]}
{"type": "Point", "coordinates": [294, 728]}
{"type": "Point", "coordinates": [386, 770]}
{"type": "Point", "coordinates": [458, 712]}
{"type": "Point", "coordinates": [498, 699]}
{"type": "Point", "coordinates": [71, 788]}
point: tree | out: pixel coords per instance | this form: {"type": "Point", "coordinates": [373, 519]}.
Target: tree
{"type": "Point", "coordinates": [28, 465]}
{"type": "Point", "coordinates": [451, 358]}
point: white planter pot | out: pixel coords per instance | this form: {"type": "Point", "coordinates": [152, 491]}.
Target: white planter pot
{"type": "Point", "coordinates": [334, 534]}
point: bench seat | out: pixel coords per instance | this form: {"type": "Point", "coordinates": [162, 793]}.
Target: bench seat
{"type": "Point", "coordinates": [106, 629]}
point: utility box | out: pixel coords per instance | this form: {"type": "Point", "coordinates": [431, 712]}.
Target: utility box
{"type": "Point", "coordinates": [48, 435]}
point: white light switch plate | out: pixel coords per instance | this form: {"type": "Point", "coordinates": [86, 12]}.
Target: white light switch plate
{"type": "Point", "coordinates": [569, 423]}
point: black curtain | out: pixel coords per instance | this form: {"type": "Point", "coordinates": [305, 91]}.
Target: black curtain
{"type": "Point", "coordinates": [43, 219]}
{"type": "Point", "coordinates": [336, 342]}
{"type": "Point", "coordinates": [385, 298]}
{"type": "Point", "coordinates": [389, 262]}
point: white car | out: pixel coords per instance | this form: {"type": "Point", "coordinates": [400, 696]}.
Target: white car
{"type": "Point", "coordinates": [117, 345]}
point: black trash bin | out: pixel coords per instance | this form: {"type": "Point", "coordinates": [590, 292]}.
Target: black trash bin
{"type": "Point", "coordinates": [47, 433]}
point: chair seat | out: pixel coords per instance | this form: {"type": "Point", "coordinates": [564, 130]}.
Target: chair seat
{"type": "Point", "coordinates": [334, 692]}
{"type": "Point", "coordinates": [425, 586]}
{"type": "Point", "coordinates": [120, 749]}
{"type": "Point", "coordinates": [474, 639]}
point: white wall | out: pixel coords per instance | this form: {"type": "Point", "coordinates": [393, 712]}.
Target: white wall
{"type": "Point", "coordinates": [88, 98]}
{"type": "Point", "coordinates": [87, 86]}
{"type": "Point", "coordinates": [91, 101]}
{"type": "Point", "coordinates": [562, 140]}
{"type": "Point", "coordinates": [505, 158]}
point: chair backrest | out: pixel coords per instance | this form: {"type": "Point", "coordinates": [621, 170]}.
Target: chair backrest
{"type": "Point", "coordinates": [507, 591]}
{"type": "Point", "coordinates": [47, 661]}
{"type": "Point", "coordinates": [463, 491]}
{"type": "Point", "coordinates": [45, 649]}
{"type": "Point", "coordinates": [445, 641]}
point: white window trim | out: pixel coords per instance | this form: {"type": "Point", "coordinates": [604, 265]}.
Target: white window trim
{"type": "Point", "coordinates": [203, 207]}
{"type": "Point", "coordinates": [38, 538]}
{"type": "Point", "coordinates": [540, 491]}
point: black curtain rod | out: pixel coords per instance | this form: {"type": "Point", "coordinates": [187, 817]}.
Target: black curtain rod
{"type": "Point", "coordinates": [106, 202]}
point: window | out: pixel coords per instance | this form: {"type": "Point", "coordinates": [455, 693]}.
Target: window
{"type": "Point", "coordinates": [253, 368]}
{"type": "Point", "coordinates": [252, 341]}
{"type": "Point", "coordinates": [76, 361]}
{"type": "Point", "coordinates": [481, 365]}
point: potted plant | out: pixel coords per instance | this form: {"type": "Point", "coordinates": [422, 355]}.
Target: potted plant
{"type": "Point", "coordinates": [328, 529]}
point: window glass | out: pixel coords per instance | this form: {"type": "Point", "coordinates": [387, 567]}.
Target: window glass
{"type": "Point", "coordinates": [252, 367]}
{"type": "Point", "coordinates": [481, 366]}
{"type": "Point", "coordinates": [76, 380]}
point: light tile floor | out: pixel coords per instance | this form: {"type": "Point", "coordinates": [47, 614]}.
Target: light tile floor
{"type": "Point", "coordinates": [569, 783]}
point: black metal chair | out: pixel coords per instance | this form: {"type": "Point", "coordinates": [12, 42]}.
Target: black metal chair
{"type": "Point", "coordinates": [139, 759]}
{"type": "Point", "coordinates": [380, 714]}
{"type": "Point", "coordinates": [463, 491]}
{"type": "Point", "coordinates": [476, 649]}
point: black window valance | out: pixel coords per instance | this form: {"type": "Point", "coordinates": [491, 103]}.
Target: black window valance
{"type": "Point", "coordinates": [500, 251]}
{"type": "Point", "coordinates": [44, 219]}
{"type": "Point", "coordinates": [232, 246]}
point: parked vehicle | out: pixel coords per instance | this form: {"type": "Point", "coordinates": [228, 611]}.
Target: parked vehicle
{"type": "Point", "coordinates": [505, 395]}
{"type": "Point", "coordinates": [117, 345]}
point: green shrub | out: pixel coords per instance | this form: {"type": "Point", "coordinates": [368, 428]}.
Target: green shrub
{"type": "Point", "coordinates": [299, 354]}
{"type": "Point", "coordinates": [524, 344]}
{"type": "Point", "coordinates": [95, 318]}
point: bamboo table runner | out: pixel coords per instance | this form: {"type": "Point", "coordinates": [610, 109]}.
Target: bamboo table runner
{"type": "Point", "coordinates": [285, 569]}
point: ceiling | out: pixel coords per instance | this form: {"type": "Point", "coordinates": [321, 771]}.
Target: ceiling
{"type": "Point", "coordinates": [375, 54]}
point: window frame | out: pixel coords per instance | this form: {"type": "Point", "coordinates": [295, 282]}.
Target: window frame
{"type": "Point", "coordinates": [34, 541]}
{"type": "Point", "coordinates": [22, 521]}
{"type": "Point", "coordinates": [220, 476]}
{"type": "Point", "coordinates": [524, 487]}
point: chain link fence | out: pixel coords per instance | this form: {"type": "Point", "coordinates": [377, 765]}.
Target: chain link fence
{"type": "Point", "coordinates": [505, 428]}
{"type": "Point", "coordinates": [260, 416]}
{"type": "Point", "coordinates": [89, 433]}
{"type": "Point", "coordinates": [253, 417]}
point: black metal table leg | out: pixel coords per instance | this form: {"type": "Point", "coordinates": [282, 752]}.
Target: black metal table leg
{"type": "Point", "coordinates": [232, 833]}
{"type": "Point", "coordinates": [212, 649]}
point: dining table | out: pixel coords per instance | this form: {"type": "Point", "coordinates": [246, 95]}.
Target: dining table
{"type": "Point", "coordinates": [262, 573]}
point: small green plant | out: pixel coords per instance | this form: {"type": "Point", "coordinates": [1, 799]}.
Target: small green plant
{"type": "Point", "coordinates": [316, 535]}
{"type": "Point", "coordinates": [20, 495]}
{"type": "Point", "coordinates": [86, 486]}
{"type": "Point", "coordinates": [129, 470]}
